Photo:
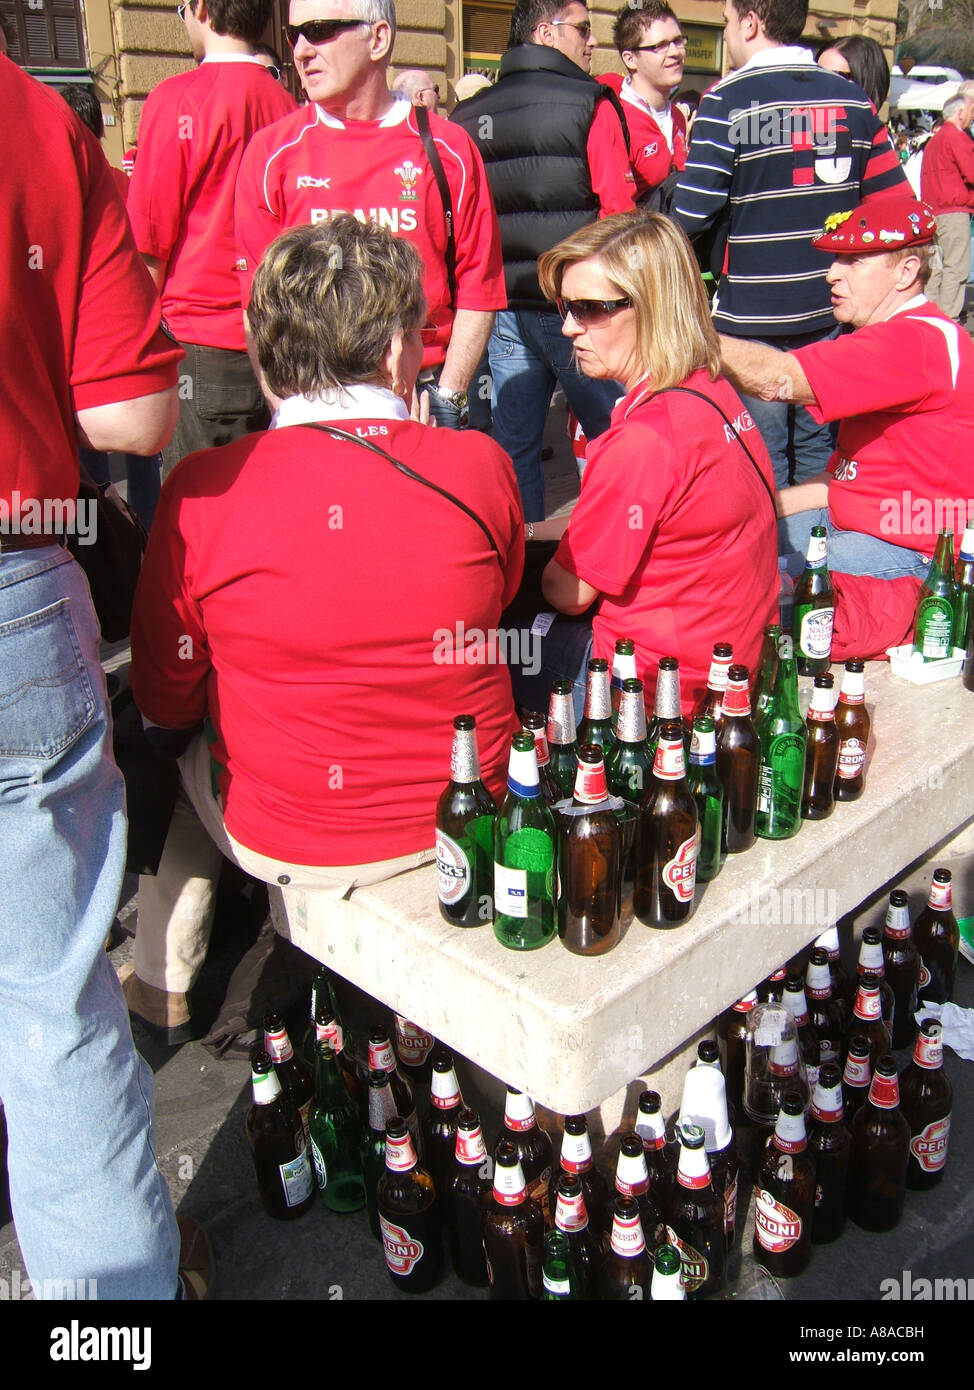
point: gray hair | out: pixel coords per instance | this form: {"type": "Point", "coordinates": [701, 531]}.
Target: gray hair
{"type": "Point", "coordinates": [374, 11]}
{"type": "Point", "coordinates": [954, 104]}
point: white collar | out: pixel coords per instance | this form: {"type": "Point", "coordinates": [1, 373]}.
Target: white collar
{"type": "Point", "coordinates": [629, 93]}
{"type": "Point", "coordinates": [916, 302]}
{"type": "Point", "coordinates": [397, 113]}
{"type": "Point", "coordinates": [232, 58]}
{"type": "Point", "coordinates": [359, 402]}
{"type": "Point", "coordinates": [780, 55]}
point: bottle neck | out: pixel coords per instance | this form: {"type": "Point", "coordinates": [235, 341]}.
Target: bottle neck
{"type": "Point", "coordinates": [703, 748]}
{"type": "Point", "coordinates": [898, 922]}
{"type": "Point", "coordinates": [522, 773]}
{"type": "Point", "coordinates": [871, 958]}
{"type": "Point", "coordinates": [266, 1087]}
{"type": "Point", "coordinates": [868, 1005]}
{"type": "Point", "coordinates": [668, 704]}
{"type": "Point", "coordinates": [509, 1186]}
{"type": "Point", "coordinates": [561, 720]}
{"type": "Point", "coordinates": [576, 1153]}
{"type": "Point", "coordinates": [627, 1235]}
{"type": "Point", "coordinates": [737, 700]}
{"type": "Point", "coordinates": [821, 709]}
{"type": "Point", "coordinates": [884, 1091]}
{"type": "Point", "coordinates": [445, 1090]}
{"type": "Point", "coordinates": [470, 1149]}
{"type": "Point", "coordinates": [598, 699]}
{"type": "Point", "coordinates": [693, 1170]}
{"type": "Point", "coordinates": [330, 1033]}
{"type": "Point", "coordinates": [856, 1072]}
{"type": "Point", "coordinates": [818, 982]}
{"type": "Point", "coordinates": [928, 1052]}
{"type": "Point", "coordinates": [632, 1175]}
{"type": "Point", "coordinates": [651, 1129]}
{"type": "Point", "coordinates": [277, 1045]}
{"type": "Point", "coordinates": [571, 1213]}
{"type": "Point", "coordinates": [789, 1133]}
{"type": "Point", "coordinates": [590, 786]}
{"type": "Point", "coordinates": [381, 1056]}
{"type": "Point", "coordinates": [382, 1107]}
{"type": "Point", "coordinates": [827, 1104]}
{"type": "Point", "coordinates": [794, 1002]}
{"type": "Point", "coordinates": [941, 896]}
{"type": "Point", "coordinates": [669, 764]}
{"type": "Point", "coordinates": [400, 1153]}
{"type": "Point", "coordinates": [465, 758]}
{"type": "Point", "coordinates": [631, 727]}
{"type": "Point", "coordinates": [717, 679]}
{"type": "Point", "coordinates": [817, 553]}
{"type": "Point", "coordinates": [853, 691]}
{"type": "Point", "coordinates": [519, 1113]}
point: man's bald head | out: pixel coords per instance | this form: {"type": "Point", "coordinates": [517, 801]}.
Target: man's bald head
{"type": "Point", "coordinates": [418, 86]}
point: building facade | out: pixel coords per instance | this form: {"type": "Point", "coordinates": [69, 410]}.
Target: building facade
{"type": "Point", "coordinates": [124, 47]}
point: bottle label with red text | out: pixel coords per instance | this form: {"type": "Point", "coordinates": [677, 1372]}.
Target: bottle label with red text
{"type": "Point", "coordinates": [627, 1235]}
{"type": "Point", "coordinates": [380, 1057]}
{"type": "Point", "coordinates": [884, 1091]}
{"type": "Point", "coordinates": [924, 978]}
{"type": "Point", "coordinates": [696, 1270]}
{"type": "Point", "coordinates": [929, 1147]}
{"type": "Point", "coordinates": [331, 1034]}
{"type": "Point", "coordinates": [669, 764]}
{"type": "Point", "coordinates": [571, 1214]}
{"type": "Point", "coordinates": [414, 1043]}
{"type": "Point", "coordinates": [940, 896]}
{"type": "Point", "coordinates": [776, 1226]}
{"type": "Point", "coordinates": [680, 872]}
{"type": "Point", "coordinates": [402, 1252]}
{"type": "Point", "coordinates": [852, 758]}
{"type": "Point", "coordinates": [929, 1052]}
{"type": "Point", "coordinates": [452, 869]}
{"type": "Point", "coordinates": [590, 787]}
{"type": "Point", "coordinates": [736, 698]}
{"type": "Point", "coordinates": [867, 1004]}
{"type": "Point", "coordinates": [470, 1147]}
{"type": "Point", "coordinates": [278, 1046]}
{"type": "Point", "coordinates": [856, 1071]}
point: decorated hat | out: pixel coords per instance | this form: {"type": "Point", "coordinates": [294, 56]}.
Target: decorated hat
{"type": "Point", "coordinates": [879, 224]}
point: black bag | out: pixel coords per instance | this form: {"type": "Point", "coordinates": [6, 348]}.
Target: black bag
{"type": "Point", "coordinates": [112, 562]}
{"type": "Point", "coordinates": [151, 784]}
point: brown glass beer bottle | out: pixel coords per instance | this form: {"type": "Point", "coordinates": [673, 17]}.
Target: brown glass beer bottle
{"type": "Point", "coordinates": [464, 1196]}
{"type": "Point", "coordinates": [626, 1268]}
{"type": "Point", "coordinates": [829, 1145]}
{"type": "Point", "coordinates": [856, 1076]}
{"type": "Point", "coordinates": [867, 1018]}
{"type": "Point", "coordinates": [666, 838]}
{"type": "Point", "coordinates": [821, 753]}
{"type": "Point", "coordinates": [533, 1146]}
{"type": "Point", "coordinates": [902, 967]}
{"type": "Point", "coordinates": [590, 863]}
{"type": "Point", "coordinates": [408, 1218]}
{"type": "Point", "coordinates": [513, 1231]}
{"type": "Point", "coordinates": [537, 724]}
{"type": "Point", "coordinates": [852, 722]}
{"type": "Point", "coordinates": [695, 1220]}
{"type": "Point", "coordinates": [926, 1098]}
{"type": "Point", "coordinates": [880, 1153]}
{"type": "Point", "coordinates": [784, 1195]}
{"type": "Point", "coordinates": [713, 701]}
{"type": "Point", "coordinates": [824, 1009]}
{"type": "Point", "coordinates": [937, 938]}
{"type": "Point", "coordinates": [576, 1157]}
{"type": "Point", "coordinates": [738, 763]}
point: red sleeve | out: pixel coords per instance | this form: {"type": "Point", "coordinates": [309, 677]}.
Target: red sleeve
{"type": "Point", "coordinates": [962, 149]}
{"type": "Point", "coordinates": [602, 545]}
{"type": "Point", "coordinates": [170, 654]}
{"type": "Point", "coordinates": [861, 373]}
{"type": "Point", "coordinates": [156, 203]}
{"type": "Point", "coordinates": [608, 162]}
{"type": "Point", "coordinates": [119, 351]}
{"type": "Point", "coordinates": [884, 172]}
{"type": "Point", "coordinates": [256, 224]}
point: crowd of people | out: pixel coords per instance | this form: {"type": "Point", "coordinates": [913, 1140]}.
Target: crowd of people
{"type": "Point", "coordinates": [287, 323]}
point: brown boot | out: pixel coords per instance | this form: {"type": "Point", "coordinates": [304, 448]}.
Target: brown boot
{"type": "Point", "coordinates": [165, 1016]}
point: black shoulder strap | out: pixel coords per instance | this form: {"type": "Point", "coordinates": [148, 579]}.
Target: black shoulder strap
{"type": "Point", "coordinates": [610, 95]}
{"type": "Point", "coordinates": [336, 433]}
{"type": "Point", "coordinates": [688, 391]}
{"type": "Point", "coordinates": [436, 164]}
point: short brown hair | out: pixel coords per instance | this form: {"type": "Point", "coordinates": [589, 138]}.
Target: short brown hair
{"type": "Point", "coordinates": [633, 18]}
{"type": "Point", "coordinates": [326, 302]}
{"type": "Point", "coordinates": [649, 257]}
{"type": "Point", "coordinates": [783, 20]}
{"type": "Point", "coordinates": [238, 19]}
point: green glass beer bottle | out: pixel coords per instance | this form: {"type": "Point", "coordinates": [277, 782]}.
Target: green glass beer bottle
{"type": "Point", "coordinates": [934, 629]}
{"type": "Point", "coordinates": [814, 609]}
{"type": "Point", "coordinates": [767, 669]}
{"type": "Point", "coordinates": [562, 745]}
{"type": "Point", "coordinates": [465, 834]}
{"type": "Point", "coordinates": [783, 738]}
{"type": "Point", "coordinates": [596, 726]}
{"type": "Point", "coordinates": [557, 1272]}
{"type": "Point", "coordinates": [707, 792]}
{"type": "Point", "coordinates": [335, 1134]}
{"type": "Point", "coordinates": [964, 580]}
{"type": "Point", "coordinates": [623, 669]}
{"type": "Point", "coordinates": [629, 766]}
{"type": "Point", "coordinates": [524, 855]}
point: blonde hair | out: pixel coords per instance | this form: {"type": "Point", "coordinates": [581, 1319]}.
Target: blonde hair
{"type": "Point", "coordinates": [326, 301]}
{"type": "Point", "coordinates": [650, 260]}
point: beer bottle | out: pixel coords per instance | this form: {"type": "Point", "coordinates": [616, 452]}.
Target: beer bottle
{"type": "Point", "coordinates": [968, 665]}
{"type": "Point", "coordinates": [666, 838]}
{"type": "Point", "coordinates": [628, 766]}
{"type": "Point", "coordinates": [867, 1018]}
{"type": "Point", "coordinates": [880, 1152]}
{"type": "Point", "coordinates": [446, 1104]}
{"type": "Point", "coordinates": [829, 1145]}
{"type": "Point", "coordinates": [772, 990]}
{"type": "Point", "coordinates": [623, 669]}
{"type": "Point", "coordinates": [821, 754]}
{"type": "Point", "coordinates": [856, 1076]}
{"type": "Point", "coordinates": [322, 992]}
{"type": "Point", "coordinates": [328, 1029]}
{"type": "Point", "coordinates": [852, 722]}
{"type": "Point", "coordinates": [774, 1069]}
{"type": "Point", "coordinates": [576, 1157]}
{"type": "Point", "coordinates": [464, 1198]}
{"type": "Point", "coordinates": [902, 967]}
{"type": "Point", "coordinates": [556, 1271]}
{"type": "Point", "coordinates": [278, 1147]}
{"type": "Point", "coordinates": [536, 725]}
{"type": "Point", "coordinates": [738, 763]}
{"type": "Point", "coordinates": [937, 604]}
{"type": "Point", "coordinates": [732, 1027]}
{"type": "Point", "coordinates": [524, 856]}
{"type": "Point", "coordinates": [704, 1104]}
{"type": "Point", "coordinates": [708, 794]}
{"type": "Point", "coordinates": [465, 834]}
{"type": "Point", "coordinates": [713, 700]}
{"type": "Point", "coordinates": [767, 669]}
{"type": "Point", "coordinates": [937, 938]}
{"type": "Point", "coordinates": [873, 960]}
{"type": "Point", "coordinates": [926, 1098]}
{"type": "Point", "coordinates": [823, 1008]}
{"type": "Point", "coordinates": [297, 1081]}
{"type": "Point", "coordinates": [782, 740]}
{"type": "Point", "coordinates": [533, 1146]}
{"type": "Point", "coordinates": [408, 1218]}
{"type": "Point", "coordinates": [632, 1180]}
{"type": "Point", "coordinates": [667, 1284]}
{"type": "Point", "coordinates": [590, 863]}
{"type": "Point", "coordinates": [513, 1231]}
{"type": "Point", "coordinates": [814, 608]}
{"type": "Point", "coordinates": [964, 580]}
{"type": "Point", "coordinates": [695, 1223]}
{"type": "Point", "coordinates": [335, 1134]}
{"type": "Point", "coordinates": [584, 1247]}
{"type": "Point", "coordinates": [842, 986]}
{"type": "Point", "coordinates": [414, 1049]}
{"type": "Point", "coordinates": [382, 1058]}
{"type": "Point", "coordinates": [668, 701]}
{"type": "Point", "coordinates": [808, 1042]}
{"type": "Point", "coordinates": [596, 725]}
{"type": "Point", "coordinates": [626, 1270]}
{"type": "Point", "coordinates": [784, 1195]}
{"type": "Point", "coordinates": [382, 1108]}
{"type": "Point", "coordinates": [661, 1157]}
{"type": "Point", "coordinates": [562, 747]}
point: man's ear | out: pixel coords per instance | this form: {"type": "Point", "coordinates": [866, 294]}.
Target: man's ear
{"type": "Point", "coordinates": [629, 59]}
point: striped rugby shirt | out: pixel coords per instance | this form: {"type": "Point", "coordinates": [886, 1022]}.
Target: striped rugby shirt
{"type": "Point", "coordinates": [787, 143]}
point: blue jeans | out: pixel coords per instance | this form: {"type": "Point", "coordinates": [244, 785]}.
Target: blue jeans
{"type": "Point", "coordinates": [562, 654]}
{"type": "Point", "coordinates": [528, 355]}
{"type": "Point", "coordinates": [88, 1199]}
{"type": "Point", "coordinates": [799, 447]}
{"type": "Point", "coordinates": [850, 552]}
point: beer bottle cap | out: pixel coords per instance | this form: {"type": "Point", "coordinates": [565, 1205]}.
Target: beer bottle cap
{"type": "Point", "coordinates": [464, 756]}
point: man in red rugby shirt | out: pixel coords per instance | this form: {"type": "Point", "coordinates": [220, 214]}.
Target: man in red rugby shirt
{"type": "Point", "coordinates": [193, 132]}
{"type": "Point", "coordinates": [652, 47]}
{"type": "Point", "coordinates": [356, 149]}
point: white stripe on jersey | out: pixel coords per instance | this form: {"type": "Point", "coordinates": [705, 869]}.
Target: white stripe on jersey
{"type": "Point", "coordinates": [290, 145]}
{"type": "Point", "coordinates": [950, 331]}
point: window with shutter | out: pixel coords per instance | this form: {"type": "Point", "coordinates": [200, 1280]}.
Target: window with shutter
{"type": "Point", "coordinates": [45, 33]}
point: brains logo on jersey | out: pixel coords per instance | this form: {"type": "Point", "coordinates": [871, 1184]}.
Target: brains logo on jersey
{"type": "Point", "coordinates": [409, 173]}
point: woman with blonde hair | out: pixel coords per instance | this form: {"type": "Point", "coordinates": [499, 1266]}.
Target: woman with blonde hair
{"type": "Point", "coordinates": [674, 534]}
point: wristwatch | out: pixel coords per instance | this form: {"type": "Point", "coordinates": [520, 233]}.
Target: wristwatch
{"type": "Point", "coordinates": [458, 399]}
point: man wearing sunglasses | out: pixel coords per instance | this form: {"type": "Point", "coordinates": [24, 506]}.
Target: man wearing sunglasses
{"type": "Point", "coordinates": [356, 149]}
{"type": "Point", "coordinates": [557, 159]}
{"type": "Point", "coordinates": [417, 86]}
{"type": "Point", "coordinates": [194, 130]}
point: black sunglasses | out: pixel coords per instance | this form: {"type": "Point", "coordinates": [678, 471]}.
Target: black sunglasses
{"type": "Point", "coordinates": [319, 30]}
{"type": "Point", "coordinates": [592, 313]}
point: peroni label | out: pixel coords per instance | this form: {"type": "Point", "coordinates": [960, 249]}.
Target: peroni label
{"type": "Point", "coordinates": [402, 1252]}
{"type": "Point", "coordinates": [777, 1227]}
{"type": "Point", "coordinates": [696, 1270]}
{"type": "Point", "coordinates": [929, 1147]}
{"type": "Point", "coordinates": [680, 872]}
{"type": "Point", "coordinates": [852, 757]}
